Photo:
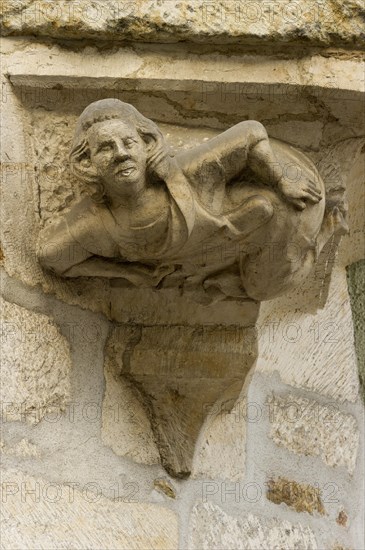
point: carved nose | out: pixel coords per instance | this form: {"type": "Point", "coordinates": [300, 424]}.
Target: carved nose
{"type": "Point", "coordinates": [120, 152]}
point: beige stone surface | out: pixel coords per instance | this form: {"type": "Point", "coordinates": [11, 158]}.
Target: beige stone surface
{"type": "Point", "coordinates": [352, 247]}
{"type": "Point", "coordinates": [221, 21]}
{"type": "Point", "coordinates": [20, 174]}
{"type": "Point", "coordinates": [192, 375]}
{"type": "Point", "coordinates": [254, 82]}
{"type": "Point", "coordinates": [308, 428]}
{"type": "Point", "coordinates": [125, 424]}
{"type": "Point", "coordinates": [22, 448]}
{"type": "Point", "coordinates": [148, 307]}
{"type": "Point", "coordinates": [180, 227]}
{"type": "Point", "coordinates": [313, 101]}
{"type": "Point", "coordinates": [298, 133]}
{"type": "Point", "coordinates": [213, 529]}
{"type": "Point", "coordinates": [220, 452]}
{"type": "Point", "coordinates": [35, 365]}
{"type": "Point", "coordinates": [311, 349]}
{"type": "Point", "coordinates": [60, 516]}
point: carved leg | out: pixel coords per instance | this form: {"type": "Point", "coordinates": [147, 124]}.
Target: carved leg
{"type": "Point", "coordinates": [252, 214]}
{"type": "Point", "coordinates": [262, 160]}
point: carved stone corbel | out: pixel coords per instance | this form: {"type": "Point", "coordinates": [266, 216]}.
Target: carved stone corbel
{"type": "Point", "coordinates": [241, 218]}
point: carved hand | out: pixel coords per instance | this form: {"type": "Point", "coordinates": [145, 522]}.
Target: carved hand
{"type": "Point", "coordinates": [298, 193]}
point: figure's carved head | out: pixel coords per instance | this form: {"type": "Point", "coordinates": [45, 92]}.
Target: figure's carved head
{"type": "Point", "coordinates": [116, 148]}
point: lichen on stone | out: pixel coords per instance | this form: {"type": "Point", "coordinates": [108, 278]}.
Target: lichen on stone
{"type": "Point", "coordinates": [301, 497]}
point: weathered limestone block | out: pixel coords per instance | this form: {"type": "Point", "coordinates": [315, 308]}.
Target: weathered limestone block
{"type": "Point", "coordinates": [311, 350]}
{"type": "Point", "coordinates": [126, 428]}
{"type": "Point", "coordinates": [213, 529]}
{"type": "Point", "coordinates": [195, 226]}
{"type": "Point", "coordinates": [148, 307]}
{"type": "Point", "coordinates": [22, 448]}
{"type": "Point", "coordinates": [306, 427]}
{"type": "Point", "coordinates": [301, 497]}
{"type": "Point", "coordinates": [184, 375]}
{"type": "Point", "coordinates": [199, 221]}
{"type": "Point", "coordinates": [35, 365]}
{"type": "Point", "coordinates": [220, 452]}
{"type": "Point", "coordinates": [219, 21]}
{"type": "Point", "coordinates": [344, 166]}
{"type": "Point", "coordinates": [38, 514]}
{"type": "Point", "coordinates": [125, 424]}
{"type": "Point", "coordinates": [21, 173]}
{"type": "Point", "coordinates": [310, 100]}
{"type": "Point", "coordinates": [51, 93]}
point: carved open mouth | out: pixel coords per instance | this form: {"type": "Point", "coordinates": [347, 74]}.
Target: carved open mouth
{"type": "Point", "coordinates": [125, 170]}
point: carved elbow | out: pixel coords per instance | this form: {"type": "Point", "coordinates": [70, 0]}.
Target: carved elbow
{"type": "Point", "coordinates": [49, 257]}
{"type": "Point", "coordinates": [258, 130]}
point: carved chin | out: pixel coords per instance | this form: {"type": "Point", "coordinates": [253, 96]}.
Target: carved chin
{"type": "Point", "coordinates": [121, 183]}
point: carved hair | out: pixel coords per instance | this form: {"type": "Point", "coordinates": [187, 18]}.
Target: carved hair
{"type": "Point", "coordinates": [109, 109]}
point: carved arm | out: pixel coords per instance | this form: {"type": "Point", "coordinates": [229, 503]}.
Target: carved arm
{"type": "Point", "coordinates": [57, 250]}
{"type": "Point", "coordinates": [224, 158]}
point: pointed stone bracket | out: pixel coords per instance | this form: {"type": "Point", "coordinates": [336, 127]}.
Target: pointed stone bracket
{"type": "Point", "coordinates": [182, 375]}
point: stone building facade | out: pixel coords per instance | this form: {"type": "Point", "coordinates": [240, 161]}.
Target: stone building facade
{"type": "Point", "coordinates": [277, 464]}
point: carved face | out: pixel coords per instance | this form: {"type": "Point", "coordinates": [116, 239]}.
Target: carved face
{"type": "Point", "coordinates": [119, 155]}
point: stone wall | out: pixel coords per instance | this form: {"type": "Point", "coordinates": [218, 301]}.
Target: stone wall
{"type": "Point", "coordinates": [284, 467]}
{"type": "Point", "coordinates": [356, 281]}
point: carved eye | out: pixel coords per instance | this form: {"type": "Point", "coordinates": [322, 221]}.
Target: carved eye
{"type": "Point", "coordinates": [105, 148]}
{"type": "Point", "coordinates": [129, 142]}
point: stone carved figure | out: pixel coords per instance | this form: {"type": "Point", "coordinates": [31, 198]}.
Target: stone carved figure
{"type": "Point", "coordinates": [238, 217]}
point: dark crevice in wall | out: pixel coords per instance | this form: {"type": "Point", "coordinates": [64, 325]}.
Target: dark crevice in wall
{"type": "Point", "coordinates": [356, 285]}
